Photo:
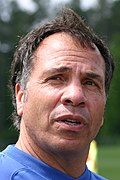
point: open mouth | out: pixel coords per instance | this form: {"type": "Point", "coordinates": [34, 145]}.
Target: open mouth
{"type": "Point", "coordinates": [70, 122]}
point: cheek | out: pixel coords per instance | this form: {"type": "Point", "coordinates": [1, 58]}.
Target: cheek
{"type": "Point", "coordinates": [97, 114]}
{"type": "Point", "coordinates": [39, 105]}
{"type": "Point", "coordinates": [50, 98]}
{"type": "Point", "coordinates": [97, 107]}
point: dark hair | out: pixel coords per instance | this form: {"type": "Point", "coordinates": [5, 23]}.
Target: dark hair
{"type": "Point", "coordinates": [68, 21]}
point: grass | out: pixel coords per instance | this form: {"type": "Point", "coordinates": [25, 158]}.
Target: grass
{"type": "Point", "coordinates": [109, 162]}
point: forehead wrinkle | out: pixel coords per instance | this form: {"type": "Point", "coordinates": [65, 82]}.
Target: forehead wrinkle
{"type": "Point", "coordinates": [69, 52]}
{"type": "Point", "coordinates": [65, 57]}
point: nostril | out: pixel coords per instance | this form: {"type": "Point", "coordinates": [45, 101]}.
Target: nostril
{"type": "Point", "coordinates": [68, 101]}
{"type": "Point", "coordinates": [82, 104]}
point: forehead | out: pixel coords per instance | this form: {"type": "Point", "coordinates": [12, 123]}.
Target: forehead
{"type": "Point", "coordinates": [59, 41]}
{"type": "Point", "coordinates": [61, 47]}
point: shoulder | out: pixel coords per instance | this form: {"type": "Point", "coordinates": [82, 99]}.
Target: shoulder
{"type": "Point", "coordinates": [8, 166]}
{"type": "Point", "coordinates": [95, 176]}
{"type": "Point", "coordinates": [14, 165]}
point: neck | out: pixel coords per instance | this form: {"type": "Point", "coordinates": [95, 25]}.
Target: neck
{"type": "Point", "coordinates": [72, 164]}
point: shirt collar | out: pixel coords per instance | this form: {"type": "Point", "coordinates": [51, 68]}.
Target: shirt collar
{"type": "Point", "coordinates": [40, 167]}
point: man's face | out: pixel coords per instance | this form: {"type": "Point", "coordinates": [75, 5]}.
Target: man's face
{"type": "Point", "coordinates": [65, 97]}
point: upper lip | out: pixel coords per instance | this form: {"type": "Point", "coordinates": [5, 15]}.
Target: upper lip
{"type": "Point", "coordinates": [74, 118]}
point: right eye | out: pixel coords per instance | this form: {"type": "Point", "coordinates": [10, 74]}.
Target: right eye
{"type": "Point", "coordinates": [56, 77]}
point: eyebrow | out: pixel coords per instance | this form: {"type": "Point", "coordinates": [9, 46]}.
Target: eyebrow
{"type": "Point", "coordinates": [94, 76]}
{"type": "Point", "coordinates": [62, 69]}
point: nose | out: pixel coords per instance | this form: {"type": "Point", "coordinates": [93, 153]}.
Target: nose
{"type": "Point", "coordinates": [73, 95]}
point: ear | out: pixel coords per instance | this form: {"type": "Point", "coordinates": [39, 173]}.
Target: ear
{"type": "Point", "coordinates": [19, 99]}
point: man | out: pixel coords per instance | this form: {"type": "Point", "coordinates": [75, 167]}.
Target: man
{"type": "Point", "coordinates": [61, 73]}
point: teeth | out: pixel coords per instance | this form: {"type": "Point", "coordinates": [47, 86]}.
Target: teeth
{"type": "Point", "coordinates": [70, 121]}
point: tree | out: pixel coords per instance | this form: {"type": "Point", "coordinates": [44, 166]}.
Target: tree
{"type": "Point", "coordinates": [14, 23]}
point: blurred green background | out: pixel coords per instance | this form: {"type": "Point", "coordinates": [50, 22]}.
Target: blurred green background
{"type": "Point", "coordinates": [109, 161]}
{"type": "Point", "coordinates": [17, 18]}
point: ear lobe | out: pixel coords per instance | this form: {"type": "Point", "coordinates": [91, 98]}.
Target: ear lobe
{"type": "Point", "coordinates": [19, 99]}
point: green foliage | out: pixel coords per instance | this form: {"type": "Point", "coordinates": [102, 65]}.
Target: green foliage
{"type": "Point", "coordinates": [13, 26]}
{"type": "Point", "coordinates": [16, 22]}
{"type": "Point", "coordinates": [113, 113]}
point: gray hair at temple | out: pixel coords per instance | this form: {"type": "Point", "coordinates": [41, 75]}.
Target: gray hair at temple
{"type": "Point", "coordinates": [69, 22]}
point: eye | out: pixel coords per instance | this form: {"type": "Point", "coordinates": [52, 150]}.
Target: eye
{"type": "Point", "coordinates": [89, 83]}
{"type": "Point", "coordinates": [56, 78]}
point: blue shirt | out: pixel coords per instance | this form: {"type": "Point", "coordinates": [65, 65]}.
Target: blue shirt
{"type": "Point", "coordinates": [18, 165]}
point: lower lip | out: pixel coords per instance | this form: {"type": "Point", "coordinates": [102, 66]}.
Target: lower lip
{"type": "Point", "coordinates": [71, 127]}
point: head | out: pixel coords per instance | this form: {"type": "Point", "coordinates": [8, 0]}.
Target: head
{"type": "Point", "coordinates": [67, 22]}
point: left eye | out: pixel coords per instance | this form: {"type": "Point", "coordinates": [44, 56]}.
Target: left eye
{"type": "Point", "coordinates": [90, 83]}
